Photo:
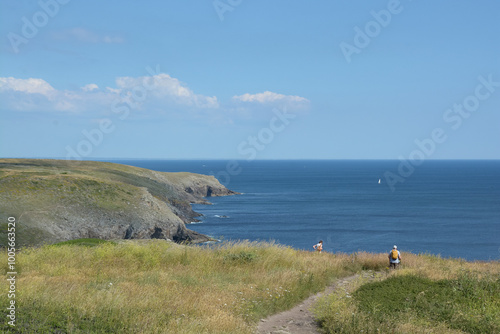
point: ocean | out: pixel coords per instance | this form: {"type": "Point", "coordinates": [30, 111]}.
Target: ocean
{"type": "Point", "coordinates": [448, 208]}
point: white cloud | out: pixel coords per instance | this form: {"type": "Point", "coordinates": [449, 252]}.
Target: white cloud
{"type": "Point", "coordinates": [163, 87]}
{"type": "Point", "coordinates": [38, 95]}
{"type": "Point", "coordinates": [260, 105]}
{"type": "Point", "coordinates": [86, 36]}
{"type": "Point", "coordinates": [270, 97]}
{"type": "Point", "coordinates": [112, 39]}
{"type": "Point", "coordinates": [30, 86]}
{"type": "Point", "coordinates": [90, 87]}
{"type": "Point", "coordinates": [151, 96]}
{"type": "Point", "coordinates": [113, 90]}
{"type": "Point", "coordinates": [155, 93]}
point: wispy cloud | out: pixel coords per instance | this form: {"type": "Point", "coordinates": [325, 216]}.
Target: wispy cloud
{"type": "Point", "coordinates": [154, 96]}
{"type": "Point", "coordinates": [254, 106]}
{"type": "Point", "coordinates": [86, 36]}
{"type": "Point", "coordinates": [29, 86]}
{"type": "Point", "coordinates": [168, 89]}
{"type": "Point", "coordinates": [90, 87]}
{"type": "Point", "coordinates": [270, 97]}
{"type": "Point", "coordinates": [34, 94]}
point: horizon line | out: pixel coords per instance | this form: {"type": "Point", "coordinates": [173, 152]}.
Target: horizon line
{"type": "Point", "coordinates": [245, 160]}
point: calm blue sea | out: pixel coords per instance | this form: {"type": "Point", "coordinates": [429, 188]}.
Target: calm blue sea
{"type": "Point", "coordinates": [451, 208]}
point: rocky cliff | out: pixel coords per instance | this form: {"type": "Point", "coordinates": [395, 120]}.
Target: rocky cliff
{"type": "Point", "coordinates": [58, 200]}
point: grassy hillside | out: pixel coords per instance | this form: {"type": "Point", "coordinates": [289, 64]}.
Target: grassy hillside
{"type": "Point", "coordinates": [56, 200]}
{"type": "Point", "coordinates": [157, 286]}
{"type": "Point", "coordinates": [428, 295]}
{"type": "Point", "coordinates": [162, 287]}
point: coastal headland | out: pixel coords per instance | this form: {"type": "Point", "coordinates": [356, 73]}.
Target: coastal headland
{"type": "Point", "coordinates": [60, 200]}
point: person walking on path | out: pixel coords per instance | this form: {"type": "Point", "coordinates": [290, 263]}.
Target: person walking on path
{"type": "Point", "coordinates": [394, 258]}
{"type": "Point", "coordinates": [319, 246]}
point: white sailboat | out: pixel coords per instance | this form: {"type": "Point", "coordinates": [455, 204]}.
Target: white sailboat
{"type": "Point", "coordinates": [378, 181]}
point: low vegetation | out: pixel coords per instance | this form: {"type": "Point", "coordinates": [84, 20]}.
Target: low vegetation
{"type": "Point", "coordinates": [428, 295]}
{"type": "Point", "coordinates": [89, 242]}
{"type": "Point", "coordinates": [58, 200]}
{"type": "Point", "coordinates": [155, 286]}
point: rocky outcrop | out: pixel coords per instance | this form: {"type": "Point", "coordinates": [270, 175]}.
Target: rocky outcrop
{"type": "Point", "coordinates": [58, 200]}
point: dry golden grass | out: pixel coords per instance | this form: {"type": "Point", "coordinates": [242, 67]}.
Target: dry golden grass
{"type": "Point", "coordinates": [435, 267]}
{"type": "Point", "coordinates": [339, 312]}
{"type": "Point", "coordinates": [162, 287]}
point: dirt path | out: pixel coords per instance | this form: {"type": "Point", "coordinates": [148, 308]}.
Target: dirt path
{"type": "Point", "coordinates": [300, 320]}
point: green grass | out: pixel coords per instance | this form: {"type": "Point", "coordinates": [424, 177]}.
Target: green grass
{"type": "Point", "coordinates": [87, 242]}
{"type": "Point", "coordinates": [162, 287]}
{"type": "Point", "coordinates": [41, 192]}
{"type": "Point", "coordinates": [99, 180]}
{"type": "Point", "coordinates": [467, 303]}
{"type": "Point", "coordinates": [409, 301]}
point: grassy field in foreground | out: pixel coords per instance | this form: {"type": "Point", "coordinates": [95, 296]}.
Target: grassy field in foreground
{"type": "Point", "coordinates": [429, 295]}
{"type": "Point", "coordinates": [161, 287]}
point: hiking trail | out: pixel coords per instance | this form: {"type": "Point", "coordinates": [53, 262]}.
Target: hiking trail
{"type": "Point", "coordinates": [300, 319]}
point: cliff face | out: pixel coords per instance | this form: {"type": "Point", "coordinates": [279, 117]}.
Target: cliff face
{"type": "Point", "coordinates": [58, 200]}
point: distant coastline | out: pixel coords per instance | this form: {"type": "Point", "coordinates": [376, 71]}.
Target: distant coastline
{"type": "Point", "coordinates": [59, 200]}
{"type": "Point", "coordinates": [298, 202]}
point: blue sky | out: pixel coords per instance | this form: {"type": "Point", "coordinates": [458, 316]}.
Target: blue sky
{"type": "Point", "coordinates": [241, 79]}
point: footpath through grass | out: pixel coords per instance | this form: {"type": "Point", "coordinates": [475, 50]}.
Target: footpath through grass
{"type": "Point", "coordinates": [87, 286]}
{"type": "Point", "coordinates": [162, 287]}
{"type": "Point", "coordinates": [429, 295]}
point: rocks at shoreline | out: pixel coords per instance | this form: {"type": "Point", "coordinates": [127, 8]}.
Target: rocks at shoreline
{"type": "Point", "coordinates": [59, 200]}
